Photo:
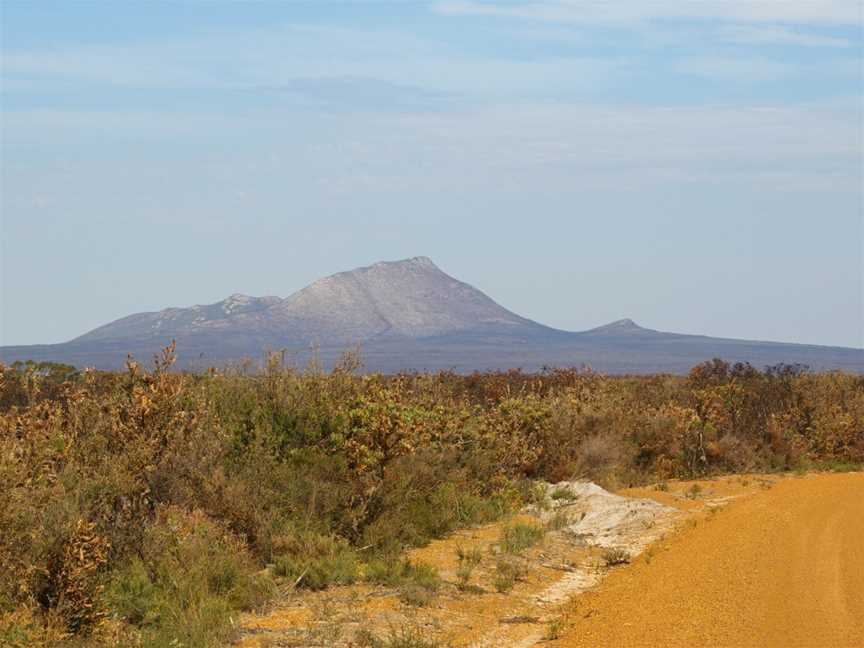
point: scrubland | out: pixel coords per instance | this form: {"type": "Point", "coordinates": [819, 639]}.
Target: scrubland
{"type": "Point", "coordinates": [151, 507]}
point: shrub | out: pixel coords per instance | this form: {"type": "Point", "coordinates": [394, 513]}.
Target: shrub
{"type": "Point", "coordinates": [416, 582]}
{"type": "Point", "coordinates": [419, 584]}
{"type": "Point", "coordinates": [318, 573]}
{"type": "Point", "coordinates": [516, 538]}
{"type": "Point", "coordinates": [564, 493]}
{"type": "Point", "coordinates": [840, 466]}
{"type": "Point", "coordinates": [554, 630]}
{"type": "Point", "coordinates": [472, 556]}
{"type": "Point", "coordinates": [72, 585]}
{"type": "Point", "coordinates": [403, 637]}
{"type": "Point", "coordinates": [132, 595]}
{"type": "Point", "coordinates": [598, 457]}
{"type": "Point", "coordinates": [468, 560]}
{"type": "Point", "coordinates": [507, 572]}
{"type": "Point", "coordinates": [504, 582]}
{"type": "Point", "coordinates": [193, 573]}
{"type": "Point", "coordinates": [173, 491]}
{"type": "Point", "coordinates": [315, 561]}
{"type": "Point", "coordinates": [615, 556]}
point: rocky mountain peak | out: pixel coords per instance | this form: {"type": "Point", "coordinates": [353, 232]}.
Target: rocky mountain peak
{"type": "Point", "coordinates": [420, 262]}
{"type": "Point", "coordinates": [406, 298]}
{"type": "Point", "coordinates": [409, 298]}
{"type": "Point", "coordinates": [619, 327]}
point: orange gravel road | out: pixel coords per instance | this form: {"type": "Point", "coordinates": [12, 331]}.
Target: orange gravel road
{"type": "Point", "coordinates": [783, 567]}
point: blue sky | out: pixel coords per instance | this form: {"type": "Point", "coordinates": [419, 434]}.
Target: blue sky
{"type": "Point", "coordinates": [693, 165]}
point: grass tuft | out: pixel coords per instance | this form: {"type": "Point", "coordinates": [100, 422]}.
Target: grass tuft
{"type": "Point", "coordinates": [616, 556]}
{"type": "Point", "coordinates": [516, 538]}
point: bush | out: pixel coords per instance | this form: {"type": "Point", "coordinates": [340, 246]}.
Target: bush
{"type": "Point", "coordinates": [507, 572]}
{"type": "Point", "coordinates": [468, 560]}
{"type": "Point", "coordinates": [149, 502]}
{"type": "Point", "coordinates": [193, 574]}
{"type": "Point", "coordinates": [318, 573]}
{"type": "Point", "coordinates": [615, 556]}
{"type": "Point", "coordinates": [518, 537]}
{"type": "Point", "coordinates": [416, 581]}
{"type": "Point", "coordinates": [419, 583]}
{"type": "Point", "coordinates": [326, 562]}
{"type": "Point", "coordinates": [564, 493]}
{"type": "Point", "coordinates": [132, 595]}
{"type": "Point", "coordinates": [403, 637]}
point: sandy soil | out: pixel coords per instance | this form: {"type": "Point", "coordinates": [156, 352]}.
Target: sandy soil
{"type": "Point", "coordinates": [567, 561]}
{"type": "Point", "coordinates": [733, 562]}
{"type": "Point", "coordinates": [780, 566]}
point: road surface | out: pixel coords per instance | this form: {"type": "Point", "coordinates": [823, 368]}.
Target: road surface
{"type": "Point", "coordinates": [783, 567]}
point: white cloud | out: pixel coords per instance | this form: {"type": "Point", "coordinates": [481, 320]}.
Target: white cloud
{"type": "Point", "coordinates": [831, 12]}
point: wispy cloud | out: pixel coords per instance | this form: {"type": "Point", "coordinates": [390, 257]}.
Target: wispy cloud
{"type": "Point", "coordinates": [736, 70]}
{"type": "Point", "coordinates": [831, 12]}
{"type": "Point", "coordinates": [538, 147]}
{"type": "Point", "coordinates": [355, 67]}
{"type": "Point", "coordinates": [754, 70]}
{"type": "Point", "coordinates": [777, 35]}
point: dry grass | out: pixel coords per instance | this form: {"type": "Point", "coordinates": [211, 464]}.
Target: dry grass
{"type": "Point", "coordinates": [613, 557]}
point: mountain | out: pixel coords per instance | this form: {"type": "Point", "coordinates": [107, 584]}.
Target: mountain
{"type": "Point", "coordinates": [407, 315]}
{"type": "Point", "coordinates": [406, 299]}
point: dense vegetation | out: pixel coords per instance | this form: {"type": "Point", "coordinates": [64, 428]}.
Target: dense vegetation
{"type": "Point", "coordinates": [148, 507]}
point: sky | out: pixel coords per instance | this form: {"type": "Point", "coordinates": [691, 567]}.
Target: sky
{"type": "Point", "coordinates": [693, 165]}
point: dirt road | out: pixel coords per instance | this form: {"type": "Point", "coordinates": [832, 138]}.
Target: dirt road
{"type": "Point", "coordinates": [782, 567]}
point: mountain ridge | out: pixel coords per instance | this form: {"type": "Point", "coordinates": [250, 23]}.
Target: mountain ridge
{"type": "Point", "coordinates": [411, 297]}
{"type": "Point", "coordinates": [408, 315]}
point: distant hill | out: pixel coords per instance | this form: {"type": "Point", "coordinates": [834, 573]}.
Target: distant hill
{"type": "Point", "coordinates": [407, 315]}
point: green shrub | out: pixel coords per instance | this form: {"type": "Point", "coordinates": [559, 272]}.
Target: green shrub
{"type": "Point", "coordinates": [839, 466]}
{"type": "Point", "coordinates": [468, 561]}
{"type": "Point", "coordinates": [132, 596]}
{"type": "Point", "coordinates": [419, 584]}
{"type": "Point", "coordinates": [416, 582]}
{"type": "Point", "coordinates": [507, 572]}
{"type": "Point", "coordinates": [516, 538]}
{"type": "Point", "coordinates": [472, 556]}
{"type": "Point", "coordinates": [313, 560]}
{"type": "Point", "coordinates": [399, 573]}
{"type": "Point", "coordinates": [190, 577]}
{"type": "Point", "coordinates": [340, 568]}
{"type": "Point", "coordinates": [403, 637]}
{"type": "Point", "coordinates": [564, 493]}
{"type": "Point", "coordinates": [554, 630]}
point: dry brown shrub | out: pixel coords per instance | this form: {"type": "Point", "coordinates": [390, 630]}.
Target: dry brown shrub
{"type": "Point", "coordinates": [73, 584]}
{"type": "Point", "coordinates": [101, 469]}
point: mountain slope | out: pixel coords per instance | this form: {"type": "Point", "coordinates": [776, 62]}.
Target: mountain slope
{"type": "Point", "coordinates": [407, 315]}
{"type": "Point", "coordinates": [411, 298]}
